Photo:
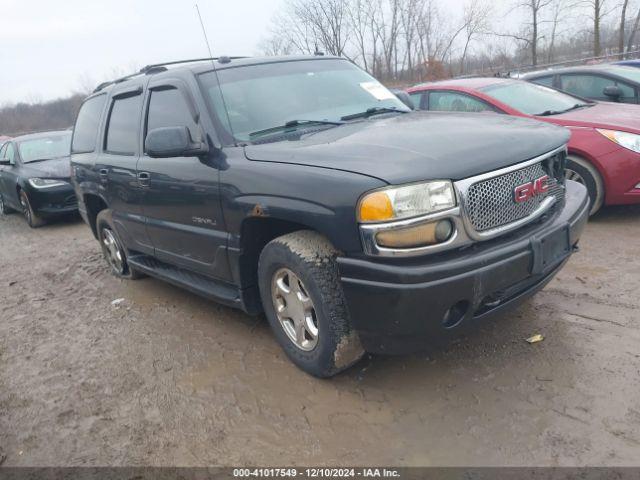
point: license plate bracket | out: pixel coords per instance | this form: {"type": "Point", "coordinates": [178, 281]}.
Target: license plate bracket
{"type": "Point", "coordinates": [549, 249]}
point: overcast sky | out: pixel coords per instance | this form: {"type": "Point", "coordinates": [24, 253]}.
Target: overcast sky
{"type": "Point", "coordinates": [48, 48]}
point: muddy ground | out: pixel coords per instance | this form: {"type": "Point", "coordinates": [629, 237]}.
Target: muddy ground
{"type": "Point", "coordinates": [167, 378]}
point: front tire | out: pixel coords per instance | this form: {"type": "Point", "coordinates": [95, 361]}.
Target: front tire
{"type": "Point", "coordinates": [113, 249]}
{"type": "Point", "coordinates": [4, 208]}
{"type": "Point", "coordinates": [304, 303]}
{"type": "Point", "coordinates": [32, 218]}
{"type": "Point", "coordinates": [583, 172]}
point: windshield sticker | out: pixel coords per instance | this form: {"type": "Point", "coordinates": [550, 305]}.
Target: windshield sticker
{"type": "Point", "coordinates": [377, 90]}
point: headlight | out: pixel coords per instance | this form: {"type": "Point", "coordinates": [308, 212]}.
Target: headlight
{"type": "Point", "coordinates": [627, 140]}
{"type": "Point", "coordinates": [41, 183]}
{"type": "Point", "coordinates": [396, 203]}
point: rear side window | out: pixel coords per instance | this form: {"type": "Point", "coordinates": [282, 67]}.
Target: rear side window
{"type": "Point", "coordinates": [123, 125]}
{"type": "Point", "coordinates": [168, 108]}
{"type": "Point", "coordinates": [85, 133]}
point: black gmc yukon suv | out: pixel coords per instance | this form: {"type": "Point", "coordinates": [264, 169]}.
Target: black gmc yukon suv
{"type": "Point", "coordinates": [302, 187]}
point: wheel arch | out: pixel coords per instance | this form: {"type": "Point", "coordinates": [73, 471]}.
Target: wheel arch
{"type": "Point", "coordinates": [94, 204]}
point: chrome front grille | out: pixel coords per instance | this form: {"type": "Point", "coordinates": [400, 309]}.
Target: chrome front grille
{"type": "Point", "coordinates": [490, 203]}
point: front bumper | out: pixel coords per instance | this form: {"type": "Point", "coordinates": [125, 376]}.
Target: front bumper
{"type": "Point", "coordinates": [405, 305]}
{"type": "Point", "coordinates": [53, 202]}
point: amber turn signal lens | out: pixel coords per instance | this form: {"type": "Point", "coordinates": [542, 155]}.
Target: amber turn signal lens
{"type": "Point", "coordinates": [416, 236]}
{"type": "Point", "coordinates": [376, 207]}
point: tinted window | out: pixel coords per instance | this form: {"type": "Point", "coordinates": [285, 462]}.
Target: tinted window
{"type": "Point", "coordinates": [87, 124]}
{"type": "Point", "coordinates": [10, 153]}
{"type": "Point", "coordinates": [456, 102]}
{"type": "Point", "coordinates": [530, 98]}
{"type": "Point", "coordinates": [417, 99]}
{"type": "Point", "coordinates": [168, 108]}
{"type": "Point", "coordinates": [546, 81]}
{"type": "Point", "coordinates": [592, 86]}
{"type": "Point", "coordinates": [123, 126]}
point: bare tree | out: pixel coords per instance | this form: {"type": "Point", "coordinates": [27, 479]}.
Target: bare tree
{"type": "Point", "coordinates": [621, 33]}
{"type": "Point", "coordinates": [475, 21]}
{"type": "Point", "coordinates": [634, 31]}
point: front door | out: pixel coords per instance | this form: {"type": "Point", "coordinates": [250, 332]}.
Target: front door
{"type": "Point", "coordinates": [181, 202]}
{"type": "Point", "coordinates": [9, 177]}
{"type": "Point", "coordinates": [116, 167]}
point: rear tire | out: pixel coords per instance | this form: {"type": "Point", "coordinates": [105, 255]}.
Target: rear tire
{"type": "Point", "coordinates": [4, 208]}
{"type": "Point", "coordinates": [304, 303]}
{"type": "Point", "coordinates": [33, 220]}
{"type": "Point", "coordinates": [113, 249]}
{"type": "Point", "coordinates": [583, 172]}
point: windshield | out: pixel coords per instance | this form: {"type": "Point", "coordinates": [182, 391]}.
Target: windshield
{"type": "Point", "coordinates": [45, 148]}
{"type": "Point", "coordinates": [530, 98]}
{"type": "Point", "coordinates": [261, 97]}
{"type": "Point", "coordinates": [629, 73]}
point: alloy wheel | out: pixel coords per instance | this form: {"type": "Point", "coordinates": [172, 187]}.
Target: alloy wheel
{"type": "Point", "coordinates": [26, 209]}
{"type": "Point", "coordinates": [573, 175]}
{"type": "Point", "coordinates": [294, 309]}
{"type": "Point", "coordinates": [112, 250]}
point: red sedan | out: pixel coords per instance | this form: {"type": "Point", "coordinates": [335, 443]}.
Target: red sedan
{"type": "Point", "coordinates": [604, 150]}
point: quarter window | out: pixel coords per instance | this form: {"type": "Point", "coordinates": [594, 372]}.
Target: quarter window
{"type": "Point", "coordinates": [123, 125]}
{"type": "Point", "coordinates": [546, 81]}
{"type": "Point", "coordinates": [85, 131]}
{"type": "Point", "coordinates": [10, 153]}
{"type": "Point", "coordinates": [456, 102]}
{"type": "Point", "coordinates": [168, 108]}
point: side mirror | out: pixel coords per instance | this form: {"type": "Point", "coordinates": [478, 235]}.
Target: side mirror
{"type": "Point", "coordinates": [612, 91]}
{"type": "Point", "coordinates": [173, 142]}
{"type": "Point", "coordinates": [404, 97]}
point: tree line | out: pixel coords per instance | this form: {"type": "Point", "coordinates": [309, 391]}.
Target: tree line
{"type": "Point", "coordinates": [413, 40]}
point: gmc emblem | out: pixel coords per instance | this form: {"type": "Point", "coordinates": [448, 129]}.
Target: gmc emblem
{"type": "Point", "coordinates": [524, 192]}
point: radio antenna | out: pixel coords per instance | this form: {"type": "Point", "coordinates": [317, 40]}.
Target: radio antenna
{"type": "Point", "coordinates": [215, 70]}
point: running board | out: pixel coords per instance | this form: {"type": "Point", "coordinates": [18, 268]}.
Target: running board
{"type": "Point", "coordinates": [196, 283]}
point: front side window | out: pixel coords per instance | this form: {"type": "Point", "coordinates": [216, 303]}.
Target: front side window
{"type": "Point", "coordinates": [85, 132]}
{"type": "Point", "coordinates": [10, 153]}
{"type": "Point", "coordinates": [123, 125]}
{"type": "Point", "coordinates": [589, 86]}
{"type": "Point", "coordinates": [259, 97]}
{"type": "Point", "coordinates": [456, 102]}
{"type": "Point", "coordinates": [45, 148]}
{"type": "Point", "coordinates": [168, 108]}
{"type": "Point", "coordinates": [532, 99]}
{"type": "Point", "coordinates": [546, 81]}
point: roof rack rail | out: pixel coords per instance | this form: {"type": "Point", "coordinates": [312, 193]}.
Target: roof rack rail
{"type": "Point", "coordinates": [222, 59]}
{"type": "Point", "coordinates": [161, 67]}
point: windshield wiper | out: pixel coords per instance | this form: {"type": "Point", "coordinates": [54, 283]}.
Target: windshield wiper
{"type": "Point", "coordinates": [291, 124]}
{"type": "Point", "coordinates": [547, 113]}
{"type": "Point", "coordinates": [373, 111]}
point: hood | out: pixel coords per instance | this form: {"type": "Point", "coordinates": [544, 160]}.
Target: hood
{"type": "Point", "coordinates": [613, 116]}
{"type": "Point", "coordinates": [419, 146]}
{"type": "Point", "coordinates": [54, 168]}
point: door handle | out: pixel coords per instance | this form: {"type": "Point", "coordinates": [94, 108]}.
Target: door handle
{"type": "Point", "coordinates": [143, 179]}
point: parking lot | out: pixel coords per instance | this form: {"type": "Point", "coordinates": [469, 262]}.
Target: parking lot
{"type": "Point", "coordinates": [167, 378]}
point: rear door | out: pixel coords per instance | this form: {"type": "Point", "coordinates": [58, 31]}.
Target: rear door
{"type": "Point", "coordinates": [117, 163]}
{"type": "Point", "coordinates": [181, 201]}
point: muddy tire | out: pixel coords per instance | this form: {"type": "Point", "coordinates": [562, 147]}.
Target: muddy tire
{"type": "Point", "coordinates": [32, 218]}
{"type": "Point", "coordinates": [113, 249]}
{"type": "Point", "coordinates": [4, 208]}
{"type": "Point", "coordinates": [304, 303]}
{"type": "Point", "coordinates": [581, 171]}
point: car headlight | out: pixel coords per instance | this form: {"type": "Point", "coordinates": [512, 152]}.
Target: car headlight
{"type": "Point", "coordinates": [627, 140]}
{"type": "Point", "coordinates": [41, 183]}
{"type": "Point", "coordinates": [395, 203]}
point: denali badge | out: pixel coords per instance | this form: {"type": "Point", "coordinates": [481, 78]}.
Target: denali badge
{"type": "Point", "coordinates": [524, 192]}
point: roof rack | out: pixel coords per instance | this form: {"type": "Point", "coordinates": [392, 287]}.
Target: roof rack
{"type": "Point", "coordinates": [162, 67]}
